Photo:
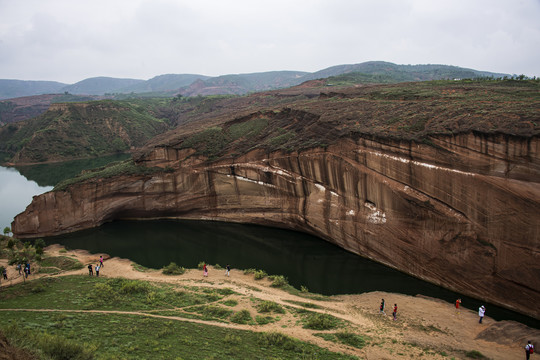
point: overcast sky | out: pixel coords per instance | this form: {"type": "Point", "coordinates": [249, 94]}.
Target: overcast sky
{"type": "Point", "coordinates": [70, 40]}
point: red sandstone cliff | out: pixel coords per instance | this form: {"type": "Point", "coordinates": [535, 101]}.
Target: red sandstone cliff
{"type": "Point", "coordinates": [463, 212]}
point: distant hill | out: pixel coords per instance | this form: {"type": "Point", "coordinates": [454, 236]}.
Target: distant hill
{"type": "Point", "coordinates": [100, 85]}
{"type": "Point", "coordinates": [168, 82]}
{"type": "Point", "coordinates": [17, 88]}
{"type": "Point", "coordinates": [240, 84]}
{"type": "Point", "coordinates": [78, 130]}
{"type": "Point", "coordinates": [23, 108]}
{"type": "Point", "coordinates": [402, 73]}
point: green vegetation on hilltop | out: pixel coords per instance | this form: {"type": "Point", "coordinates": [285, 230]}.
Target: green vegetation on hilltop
{"type": "Point", "coordinates": [77, 130]}
{"type": "Point", "coordinates": [126, 167]}
{"type": "Point", "coordinates": [406, 111]}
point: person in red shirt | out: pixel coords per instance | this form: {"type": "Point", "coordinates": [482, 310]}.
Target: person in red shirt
{"type": "Point", "coordinates": [458, 301]}
{"type": "Point", "coordinates": [395, 312]}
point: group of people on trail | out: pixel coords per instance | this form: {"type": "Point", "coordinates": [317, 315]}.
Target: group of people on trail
{"type": "Point", "coordinates": [529, 348]}
{"type": "Point", "coordinates": [227, 270]}
{"type": "Point", "coordinates": [98, 267]}
{"type": "Point", "coordinates": [382, 306]}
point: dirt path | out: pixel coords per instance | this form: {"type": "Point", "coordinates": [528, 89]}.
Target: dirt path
{"type": "Point", "coordinates": [428, 328]}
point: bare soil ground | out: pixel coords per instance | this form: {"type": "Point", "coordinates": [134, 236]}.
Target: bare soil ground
{"type": "Point", "coordinates": [425, 328]}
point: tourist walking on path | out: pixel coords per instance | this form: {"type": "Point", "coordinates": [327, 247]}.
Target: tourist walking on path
{"type": "Point", "coordinates": [4, 274]}
{"type": "Point", "coordinates": [97, 269]}
{"type": "Point", "coordinates": [529, 349]}
{"type": "Point", "coordinates": [205, 270]}
{"type": "Point", "coordinates": [381, 308]}
{"type": "Point", "coordinates": [101, 261]}
{"type": "Point", "coordinates": [19, 268]}
{"type": "Point", "coordinates": [227, 269]}
{"type": "Point", "coordinates": [458, 303]}
{"type": "Point", "coordinates": [26, 272]}
{"type": "Point", "coordinates": [481, 313]}
{"type": "Point", "coordinates": [395, 312]}
{"type": "Point", "coordinates": [90, 270]}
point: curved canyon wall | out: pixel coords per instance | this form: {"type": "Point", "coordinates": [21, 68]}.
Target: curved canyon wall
{"type": "Point", "coordinates": [462, 212]}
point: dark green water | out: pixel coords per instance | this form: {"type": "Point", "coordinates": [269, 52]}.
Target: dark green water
{"type": "Point", "coordinates": [303, 259]}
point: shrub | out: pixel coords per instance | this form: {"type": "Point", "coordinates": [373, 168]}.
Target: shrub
{"type": "Point", "coordinates": [316, 321]}
{"type": "Point", "coordinates": [57, 347]}
{"type": "Point", "coordinates": [279, 281]}
{"type": "Point", "coordinates": [201, 265]}
{"type": "Point", "coordinates": [39, 243]}
{"type": "Point", "coordinates": [241, 317]}
{"type": "Point", "coordinates": [259, 274]}
{"type": "Point", "coordinates": [475, 354]}
{"type": "Point", "coordinates": [173, 269]}
{"type": "Point", "coordinates": [270, 306]}
{"type": "Point", "coordinates": [103, 291]}
{"type": "Point", "coordinates": [135, 287]}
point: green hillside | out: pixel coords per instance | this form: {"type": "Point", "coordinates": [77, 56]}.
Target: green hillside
{"type": "Point", "coordinates": [78, 130]}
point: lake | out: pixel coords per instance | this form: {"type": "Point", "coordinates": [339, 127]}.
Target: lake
{"type": "Point", "coordinates": [16, 193]}
{"type": "Point", "coordinates": [19, 184]}
{"type": "Point", "coordinates": [304, 259]}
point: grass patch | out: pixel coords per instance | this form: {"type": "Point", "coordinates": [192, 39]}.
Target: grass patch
{"type": "Point", "coordinates": [63, 263]}
{"type": "Point", "coordinates": [44, 345]}
{"type": "Point", "coordinates": [351, 339]}
{"type": "Point", "coordinates": [211, 312]}
{"type": "Point", "coordinates": [126, 336]}
{"type": "Point", "coordinates": [317, 321]}
{"type": "Point", "coordinates": [83, 292]}
{"type": "Point", "coordinates": [230, 302]}
{"type": "Point", "coordinates": [304, 304]}
{"type": "Point", "coordinates": [263, 320]}
{"type": "Point", "coordinates": [140, 268]}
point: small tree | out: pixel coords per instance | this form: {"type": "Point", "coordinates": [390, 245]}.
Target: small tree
{"type": "Point", "coordinates": [7, 230]}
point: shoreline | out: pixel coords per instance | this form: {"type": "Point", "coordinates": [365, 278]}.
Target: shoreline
{"type": "Point", "coordinates": [431, 323]}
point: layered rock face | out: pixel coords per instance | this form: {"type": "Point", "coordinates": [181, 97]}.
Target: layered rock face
{"type": "Point", "coordinates": [462, 212]}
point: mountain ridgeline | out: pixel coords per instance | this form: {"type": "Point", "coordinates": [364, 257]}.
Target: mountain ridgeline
{"type": "Point", "coordinates": [238, 84]}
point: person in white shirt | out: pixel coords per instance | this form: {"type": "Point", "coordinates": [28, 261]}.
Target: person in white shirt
{"type": "Point", "coordinates": [481, 313]}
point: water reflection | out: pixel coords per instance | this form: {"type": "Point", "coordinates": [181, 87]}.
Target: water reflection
{"type": "Point", "coordinates": [303, 259]}
{"type": "Point", "coordinates": [16, 193]}
{"type": "Point", "coordinates": [20, 184]}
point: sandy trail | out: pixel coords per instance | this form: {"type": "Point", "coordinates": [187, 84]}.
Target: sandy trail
{"type": "Point", "coordinates": [428, 328]}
